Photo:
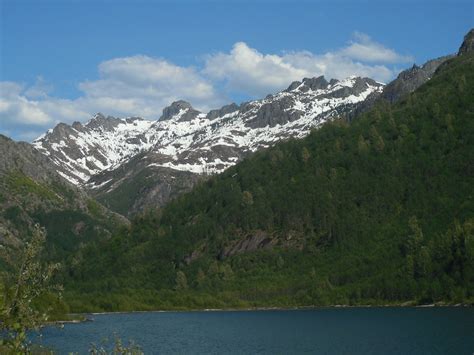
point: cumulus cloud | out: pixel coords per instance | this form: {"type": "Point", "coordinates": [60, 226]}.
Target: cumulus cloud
{"type": "Point", "coordinates": [145, 84]}
{"type": "Point", "coordinates": [247, 70]}
{"type": "Point", "coordinates": [244, 69]}
{"type": "Point", "coordinates": [365, 49]}
{"type": "Point", "coordinates": [142, 86]}
{"type": "Point", "coordinates": [40, 89]}
{"type": "Point", "coordinates": [16, 107]}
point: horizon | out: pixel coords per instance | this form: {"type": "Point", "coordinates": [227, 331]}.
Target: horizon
{"type": "Point", "coordinates": [214, 55]}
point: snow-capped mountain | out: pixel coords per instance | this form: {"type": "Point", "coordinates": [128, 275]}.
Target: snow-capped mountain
{"type": "Point", "coordinates": [186, 139]}
{"type": "Point", "coordinates": [81, 151]}
{"type": "Point", "coordinates": [108, 152]}
{"type": "Point", "coordinates": [200, 143]}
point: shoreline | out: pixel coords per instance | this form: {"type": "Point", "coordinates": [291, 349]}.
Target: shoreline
{"type": "Point", "coordinates": [262, 309]}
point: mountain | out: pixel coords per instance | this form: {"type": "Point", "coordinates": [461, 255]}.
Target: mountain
{"type": "Point", "coordinates": [133, 164]}
{"type": "Point", "coordinates": [468, 43]}
{"type": "Point", "coordinates": [130, 164]}
{"type": "Point", "coordinates": [411, 79]}
{"type": "Point", "coordinates": [80, 151]}
{"type": "Point", "coordinates": [140, 183]}
{"type": "Point", "coordinates": [31, 191]}
{"type": "Point", "coordinates": [405, 83]}
{"type": "Point", "coordinates": [378, 211]}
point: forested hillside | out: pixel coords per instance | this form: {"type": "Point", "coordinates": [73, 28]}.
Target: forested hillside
{"type": "Point", "coordinates": [31, 192]}
{"type": "Point", "coordinates": [378, 211]}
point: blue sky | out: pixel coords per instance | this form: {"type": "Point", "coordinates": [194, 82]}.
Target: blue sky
{"type": "Point", "coordinates": [66, 60]}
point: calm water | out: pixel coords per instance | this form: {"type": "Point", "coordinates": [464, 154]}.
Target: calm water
{"type": "Point", "coordinates": [321, 331]}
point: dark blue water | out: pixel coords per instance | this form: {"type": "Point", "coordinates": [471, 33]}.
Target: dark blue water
{"type": "Point", "coordinates": [320, 331]}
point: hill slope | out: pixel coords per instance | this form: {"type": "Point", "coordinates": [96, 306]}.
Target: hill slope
{"type": "Point", "coordinates": [31, 191]}
{"type": "Point", "coordinates": [378, 211]}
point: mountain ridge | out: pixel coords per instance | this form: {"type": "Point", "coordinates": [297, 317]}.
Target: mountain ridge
{"type": "Point", "coordinates": [187, 143]}
{"type": "Point", "coordinates": [142, 132]}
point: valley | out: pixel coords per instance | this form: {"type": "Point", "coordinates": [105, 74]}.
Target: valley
{"type": "Point", "coordinates": [327, 193]}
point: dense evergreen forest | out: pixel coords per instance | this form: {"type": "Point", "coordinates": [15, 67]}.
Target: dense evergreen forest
{"type": "Point", "coordinates": [378, 211]}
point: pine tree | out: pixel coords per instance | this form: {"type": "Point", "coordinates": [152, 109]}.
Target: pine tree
{"type": "Point", "coordinates": [362, 145]}
{"type": "Point", "coordinates": [181, 281]}
{"type": "Point", "coordinates": [305, 154]}
{"type": "Point", "coordinates": [376, 139]}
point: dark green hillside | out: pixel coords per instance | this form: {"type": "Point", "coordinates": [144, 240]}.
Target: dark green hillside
{"type": "Point", "coordinates": [32, 192]}
{"type": "Point", "coordinates": [378, 211]}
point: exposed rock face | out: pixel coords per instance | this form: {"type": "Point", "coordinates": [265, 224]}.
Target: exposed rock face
{"type": "Point", "coordinates": [468, 43]}
{"type": "Point", "coordinates": [196, 254]}
{"type": "Point", "coordinates": [411, 79]}
{"type": "Point", "coordinates": [318, 83]}
{"type": "Point", "coordinates": [224, 110]}
{"type": "Point", "coordinates": [406, 82]}
{"type": "Point", "coordinates": [255, 241]}
{"type": "Point", "coordinates": [138, 184]}
{"type": "Point", "coordinates": [274, 113]}
{"type": "Point", "coordinates": [22, 157]}
{"type": "Point", "coordinates": [179, 110]}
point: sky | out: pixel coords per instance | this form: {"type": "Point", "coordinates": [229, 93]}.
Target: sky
{"type": "Point", "coordinates": [64, 61]}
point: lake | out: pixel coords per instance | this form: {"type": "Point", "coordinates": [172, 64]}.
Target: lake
{"type": "Point", "coordinates": [317, 331]}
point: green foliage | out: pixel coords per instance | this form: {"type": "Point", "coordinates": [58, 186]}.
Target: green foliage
{"type": "Point", "coordinates": [116, 348]}
{"type": "Point", "coordinates": [181, 281]}
{"type": "Point", "coordinates": [33, 301]}
{"type": "Point", "coordinates": [305, 154]}
{"type": "Point", "coordinates": [23, 184]}
{"type": "Point", "coordinates": [67, 230]}
{"type": "Point", "coordinates": [70, 219]}
{"type": "Point", "coordinates": [13, 214]}
{"type": "Point", "coordinates": [33, 283]}
{"type": "Point", "coordinates": [376, 212]}
{"type": "Point", "coordinates": [94, 208]}
{"type": "Point", "coordinates": [247, 198]}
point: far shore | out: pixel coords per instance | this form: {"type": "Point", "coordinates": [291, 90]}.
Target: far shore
{"type": "Point", "coordinates": [247, 309]}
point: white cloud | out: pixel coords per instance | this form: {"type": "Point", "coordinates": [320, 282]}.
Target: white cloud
{"type": "Point", "coordinates": [247, 70]}
{"type": "Point", "coordinates": [149, 78]}
{"type": "Point", "coordinates": [15, 107]}
{"type": "Point", "coordinates": [244, 69]}
{"type": "Point", "coordinates": [142, 86]}
{"type": "Point", "coordinates": [40, 89]}
{"type": "Point", "coordinates": [365, 49]}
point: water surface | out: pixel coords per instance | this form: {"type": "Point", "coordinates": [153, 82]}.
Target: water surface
{"type": "Point", "coordinates": [319, 331]}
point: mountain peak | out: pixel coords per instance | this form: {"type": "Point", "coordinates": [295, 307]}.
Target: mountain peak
{"type": "Point", "coordinates": [179, 104]}
{"type": "Point", "coordinates": [77, 125]}
{"type": "Point", "coordinates": [317, 83]}
{"type": "Point", "coordinates": [102, 122]}
{"type": "Point", "coordinates": [98, 116]}
{"type": "Point", "coordinates": [468, 43]}
{"type": "Point", "coordinates": [179, 110]}
{"type": "Point", "coordinates": [224, 110]}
